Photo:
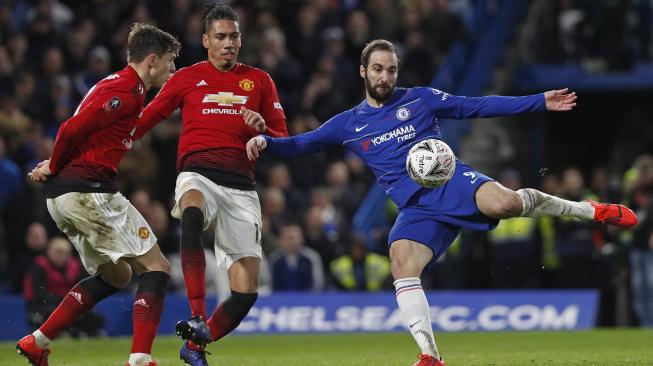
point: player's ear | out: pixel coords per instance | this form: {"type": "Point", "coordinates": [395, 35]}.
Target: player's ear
{"type": "Point", "coordinates": [362, 71]}
{"type": "Point", "coordinates": [205, 40]}
{"type": "Point", "coordinates": [151, 60]}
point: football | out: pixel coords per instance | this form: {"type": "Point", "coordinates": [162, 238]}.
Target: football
{"type": "Point", "coordinates": [430, 163]}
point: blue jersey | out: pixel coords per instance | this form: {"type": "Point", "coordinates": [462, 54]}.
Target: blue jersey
{"type": "Point", "coordinates": [381, 137]}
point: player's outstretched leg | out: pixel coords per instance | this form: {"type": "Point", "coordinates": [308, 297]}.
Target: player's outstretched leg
{"type": "Point", "coordinates": [77, 302]}
{"type": "Point", "coordinates": [536, 204]}
{"type": "Point", "coordinates": [408, 260]}
{"type": "Point", "coordinates": [497, 201]}
{"type": "Point", "coordinates": [148, 304]}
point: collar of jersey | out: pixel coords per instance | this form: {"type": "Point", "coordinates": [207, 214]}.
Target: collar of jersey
{"type": "Point", "coordinates": [396, 96]}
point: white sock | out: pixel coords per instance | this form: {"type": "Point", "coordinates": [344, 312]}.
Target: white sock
{"type": "Point", "coordinates": [537, 204]}
{"type": "Point", "coordinates": [415, 313]}
{"type": "Point", "coordinates": [41, 340]}
{"type": "Point", "coordinates": [139, 359]}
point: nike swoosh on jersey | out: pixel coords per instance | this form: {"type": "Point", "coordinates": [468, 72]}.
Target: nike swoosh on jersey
{"type": "Point", "coordinates": [359, 129]}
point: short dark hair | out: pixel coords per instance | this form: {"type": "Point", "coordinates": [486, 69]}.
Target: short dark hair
{"type": "Point", "coordinates": [375, 45]}
{"type": "Point", "coordinates": [218, 12]}
{"type": "Point", "coordinates": [145, 39]}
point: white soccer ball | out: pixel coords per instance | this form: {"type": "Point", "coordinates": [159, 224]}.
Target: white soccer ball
{"type": "Point", "coordinates": [430, 163]}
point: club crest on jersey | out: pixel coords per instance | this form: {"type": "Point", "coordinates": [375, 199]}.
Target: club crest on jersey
{"type": "Point", "coordinates": [403, 114]}
{"type": "Point", "coordinates": [143, 233]}
{"type": "Point", "coordinates": [246, 84]}
{"type": "Point", "coordinates": [111, 105]}
{"type": "Point", "coordinates": [225, 99]}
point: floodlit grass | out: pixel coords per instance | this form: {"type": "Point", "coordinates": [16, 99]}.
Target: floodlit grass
{"type": "Point", "coordinates": [597, 347]}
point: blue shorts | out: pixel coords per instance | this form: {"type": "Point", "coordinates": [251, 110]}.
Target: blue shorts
{"type": "Point", "coordinates": [434, 217]}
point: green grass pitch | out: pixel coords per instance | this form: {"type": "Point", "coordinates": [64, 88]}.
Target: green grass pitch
{"type": "Point", "coordinates": [598, 347]}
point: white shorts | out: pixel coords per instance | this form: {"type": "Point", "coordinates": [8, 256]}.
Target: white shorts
{"type": "Point", "coordinates": [103, 227]}
{"type": "Point", "coordinates": [237, 215]}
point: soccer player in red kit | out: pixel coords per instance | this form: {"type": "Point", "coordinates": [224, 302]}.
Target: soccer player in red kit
{"type": "Point", "coordinates": [110, 235]}
{"type": "Point", "coordinates": [223, 104]}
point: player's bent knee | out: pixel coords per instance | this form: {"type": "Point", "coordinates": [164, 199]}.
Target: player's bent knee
{"type": "Point", "coordinates": [118, 276]}
{"type": "Point", "coordinates": [160, 265]}
{"type": "Point", "coordinates": [506, 205]}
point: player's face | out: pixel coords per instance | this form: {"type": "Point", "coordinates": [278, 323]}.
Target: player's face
{"type": "Point", "coordinates": [162, 69]}
{"type": "Point", "coordinates": [223, 43]}
{"type": "Point", "coordinates": [380, 75]}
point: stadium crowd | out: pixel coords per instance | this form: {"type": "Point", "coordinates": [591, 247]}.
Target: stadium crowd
{"type": "Point", "coordinates": [52, 52]}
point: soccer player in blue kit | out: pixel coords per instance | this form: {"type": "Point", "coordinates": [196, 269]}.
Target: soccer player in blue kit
{"type": "Point", "coordinates": [381, 130]}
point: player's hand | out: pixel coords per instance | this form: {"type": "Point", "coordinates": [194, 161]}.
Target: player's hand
{"type": "Point", "coordinates": [254, 145]}
{"type": "Point", "coordinates": [560, 100]}
{"type": "Point", "coordinates": [41, 172]}
{"type": "Point", "coordinates": [253, 119]}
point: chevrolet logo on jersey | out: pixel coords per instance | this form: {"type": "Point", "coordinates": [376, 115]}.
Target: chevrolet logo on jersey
{"type": "Point", "coordinates": [225, 99]}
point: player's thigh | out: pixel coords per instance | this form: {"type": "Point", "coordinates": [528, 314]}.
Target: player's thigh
{"type": "Point", "coordinates": [408, 258]}
{"type": "Point", "coordinates": [497, 201]}
{"type": "Point", "coordinates": [193, 189]}
{"type": "Point", "coordinates": [238, 226]}
{"type": "Point", "coordinates": [117, 274]}
{"type": "Point", "coordinates": [244, 274]}
{"type": "Point", "coordinates": [193, 198]}
{"type": "Point", "coordinates": [103, 227]}
{"type": "Point", "coordinates": [152, 260]}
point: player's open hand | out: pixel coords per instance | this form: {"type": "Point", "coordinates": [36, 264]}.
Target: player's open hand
{"type": "Point", "coordinates": [560, 100]}
{"type": "Point", "coordinates": [41, 172]}
{"type": "Point", "coordinates": [254, 145]}
{"type": "Point", "coordinates": [253, 119]}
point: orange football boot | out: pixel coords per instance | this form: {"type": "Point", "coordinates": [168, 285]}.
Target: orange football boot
{"type": "Point", "coordinates": [613, 214]}
{"type": "Point", "coordinates": [428, 360]}
{"type": "Point", "coordinates": [34, 354]}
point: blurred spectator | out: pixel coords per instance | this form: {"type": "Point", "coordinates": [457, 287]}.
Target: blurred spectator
{"type": "Point", "coordinates": [274, 208]}
{"type": "Point", "coordinates": [316, 236]}
{"type": "Point", "coordinates": [343, 194]}
{"type": "Point", "coordinates": [51, 277]}
{"type": "Point", "coordinates": [141, 200]}
{"type": "Point", "coordinates": [11, 178]}
{"type": "Point", "coordinates": [35, 242]}
{"type": "Point", "coordinates": [295, 267]}
{"type": "Point", "coordinates": [513, 251]}
{"type": "Point", "coordinates": [361, 271]}
{"type": "Point", "coordinates": [286, 72]}
{"type": "Point", "coordinates": [279, 177]}
{"type": "Point", "coordinates": [166, 233]}
{"type": "Point", "coordinates": [641, 256]}
{"type": "Point", "coordinates": [575, 240]}
{"type": "Point", "coordinates": [97, 68]}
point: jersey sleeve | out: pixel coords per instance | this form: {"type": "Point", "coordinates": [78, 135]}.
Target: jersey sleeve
{"type": "Point", "coordinates": [329, 134]}
{"type": "Point", "coordinates": [104, 108]}
{"type": "Point", "coordinates": [162, 106]}
{"type": "Point", "coordinates": [272, 111]}
{"type": "Point", "coordinates": [453, 106]}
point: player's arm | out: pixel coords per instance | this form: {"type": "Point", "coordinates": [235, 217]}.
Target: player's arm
{"type": "Point", "coordinates": [162, 106]}
{"type": "Point", "coordinates": [272, 120]}
{"type": "Point", "coordinates": [453, 106]}
{"type": "Point", "coordinates": [310, 142]}
{"type": "Point", "coordinates": [103, 109]}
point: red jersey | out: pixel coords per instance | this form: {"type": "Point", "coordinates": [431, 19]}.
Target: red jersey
{"type": "Point", "coordinates": [214, 133]}
{"type": "Point", "coordinates": [91, 143]}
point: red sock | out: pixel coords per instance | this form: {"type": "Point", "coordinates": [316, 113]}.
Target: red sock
{"type": "Point", "coordinates": [193, 265]}
{"type": "Point", "coordinates": [77, 302]}
{"type": "Point", "coordinates": [220, 323]}
{"type": "Point", "coordinates": [230, 313]}
{"type": "Point", "coordinates": [146, 312]}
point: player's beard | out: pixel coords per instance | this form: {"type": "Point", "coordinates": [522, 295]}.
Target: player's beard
{"type": "Point", "coordinates": [380, 92]}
